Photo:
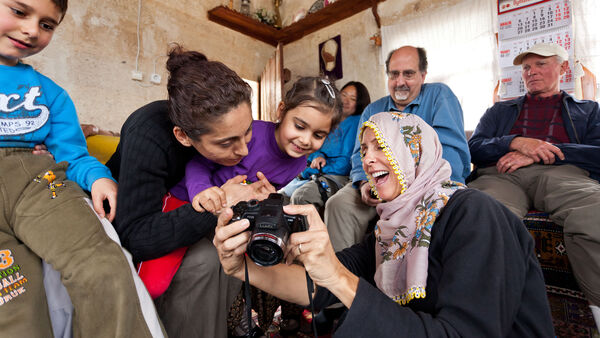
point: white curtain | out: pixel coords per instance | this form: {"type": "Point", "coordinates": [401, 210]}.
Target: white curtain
{"type": "Point", "coordinates": [586, 28]}
{"type": "Point", "coordinates": [461, 50]}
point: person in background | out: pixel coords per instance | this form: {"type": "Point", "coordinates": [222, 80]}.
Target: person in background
{"type": "Point", "coordinates": [426, 270]}
{"type": "Point", "coordinates": [331, 163]}
{"type": "Point", "coordinates": [348, 212]}
{"type": "Point", "coordinates": [541, 151]}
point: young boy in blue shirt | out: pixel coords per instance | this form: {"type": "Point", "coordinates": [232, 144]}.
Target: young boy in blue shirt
{"type": "Point", "coordinates": [42, 214]}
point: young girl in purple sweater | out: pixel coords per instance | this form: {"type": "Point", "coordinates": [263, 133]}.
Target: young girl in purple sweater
{"type": "Point", "coordinates": [310, 109]}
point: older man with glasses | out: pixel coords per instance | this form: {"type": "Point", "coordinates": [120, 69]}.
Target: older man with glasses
{"type": "Point", "coordinates": [348, 212]}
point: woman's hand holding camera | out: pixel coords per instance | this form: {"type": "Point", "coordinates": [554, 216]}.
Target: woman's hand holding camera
{"type": "Point", "coordinates": [312, 248]}
{"type": "Point", "coordinates": [231, 241]}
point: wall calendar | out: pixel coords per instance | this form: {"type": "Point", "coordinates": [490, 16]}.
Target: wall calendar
{"type": "Point", "coordinates": [522, 24]}
{"type": "Point", "coordinates": [534, 19]}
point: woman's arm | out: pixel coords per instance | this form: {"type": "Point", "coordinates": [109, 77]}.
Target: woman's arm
{"type": "Point", "coordinates": [287, 281]}
{"type": "Point", "coordinates": [483, 281]}
{"type": "Point", "coordinates": [314, 250]}
{"type": "Point", "coordinates": [148, 162]}
{"type": "Point", "coordinates": [231, 241]}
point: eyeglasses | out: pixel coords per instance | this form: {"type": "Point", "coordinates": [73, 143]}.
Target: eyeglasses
{"type": "Point", "coordinates": [407, 74]}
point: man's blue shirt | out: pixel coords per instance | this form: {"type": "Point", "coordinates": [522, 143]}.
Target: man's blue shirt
{"type": "Point", "coordinates": [439, 107]}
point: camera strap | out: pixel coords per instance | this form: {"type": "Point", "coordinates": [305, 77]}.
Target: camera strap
{"type": "Point", "coordinates": [248, 300]}
{"type": "Point", "coordinates": [311, 288]}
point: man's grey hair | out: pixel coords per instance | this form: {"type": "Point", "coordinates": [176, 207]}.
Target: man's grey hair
{"type": "Point", "coordinates": [559, 59]}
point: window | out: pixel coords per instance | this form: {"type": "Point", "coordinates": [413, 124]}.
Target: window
{"type": "Point", "coordinates": [587, 40]}
{"type": "Point", "coordinates": [461, 50]}
{"type": "Point", "coordinates": [254, 106]}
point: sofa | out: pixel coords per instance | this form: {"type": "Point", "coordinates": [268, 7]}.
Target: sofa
{"type": "Point", "coordinates": [102, 146]}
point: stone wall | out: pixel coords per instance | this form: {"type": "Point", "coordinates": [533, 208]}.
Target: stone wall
{"type": "Point", "coordinates": [94, 49]}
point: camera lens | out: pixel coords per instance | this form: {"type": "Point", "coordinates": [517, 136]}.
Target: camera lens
{"type": "Point", "coordinates": [264, 253]}
{"type": "Point", "coordinates": [265, 250]}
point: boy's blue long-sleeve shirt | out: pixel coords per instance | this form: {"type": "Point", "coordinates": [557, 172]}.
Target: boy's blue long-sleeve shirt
{"type": "Point", "coordinates": [438, 106]}
{"type": "Point", "coordinates": [336, 149]}
{"type": "Point", "coordinates": [35, 110]}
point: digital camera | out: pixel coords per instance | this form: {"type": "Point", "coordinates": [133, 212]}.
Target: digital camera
{"type": "Point", "coordinates": [270, 227]}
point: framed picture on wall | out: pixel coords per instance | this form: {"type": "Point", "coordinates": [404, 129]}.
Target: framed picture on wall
{"type": "Point", "coordinates": [330, 58]}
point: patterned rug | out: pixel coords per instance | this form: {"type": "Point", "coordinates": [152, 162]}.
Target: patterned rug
{"type": "Point", "coordinates": [305, 330]}
{"type": "Point", "coordinates": [570, 312]}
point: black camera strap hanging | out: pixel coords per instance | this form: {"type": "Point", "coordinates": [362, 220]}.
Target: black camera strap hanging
{"type": "Point", "coordinates": [311, 288]}
{"type": "Point", "coordinates": [248, 300]}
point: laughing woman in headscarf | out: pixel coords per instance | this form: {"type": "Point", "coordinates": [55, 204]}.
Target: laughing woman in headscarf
{"type": "Point", "coordinates": [443, 260]}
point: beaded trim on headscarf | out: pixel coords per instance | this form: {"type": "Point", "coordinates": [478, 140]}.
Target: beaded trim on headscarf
{"type": "Point", "coordinates": [412, 293]}
{"type": "Point", "coordinates": [388, 154]}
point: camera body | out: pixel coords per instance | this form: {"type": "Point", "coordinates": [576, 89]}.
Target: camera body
{"type": "Point", "coordinates": [270, 227]}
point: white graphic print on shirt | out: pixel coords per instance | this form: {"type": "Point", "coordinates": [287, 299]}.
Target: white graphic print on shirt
{"type": "Point", "coordinates": [19, 125]}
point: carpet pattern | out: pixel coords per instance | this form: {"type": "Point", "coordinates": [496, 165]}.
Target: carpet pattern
{"type": "Point", "coordinates": [570, 312]}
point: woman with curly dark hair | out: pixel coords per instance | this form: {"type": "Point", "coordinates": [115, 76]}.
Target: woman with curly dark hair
{"type": "Point", "coordinates": [149, 161]}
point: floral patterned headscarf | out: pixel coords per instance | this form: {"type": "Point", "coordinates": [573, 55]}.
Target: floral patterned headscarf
{"type": "Point", "coordinates": [403, 232]}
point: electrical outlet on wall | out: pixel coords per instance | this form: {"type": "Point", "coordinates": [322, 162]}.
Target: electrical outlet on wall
{"type": "Point", "coordinates": [137, 75]}
{"type": "Point", "coordinates": [155, 78]}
